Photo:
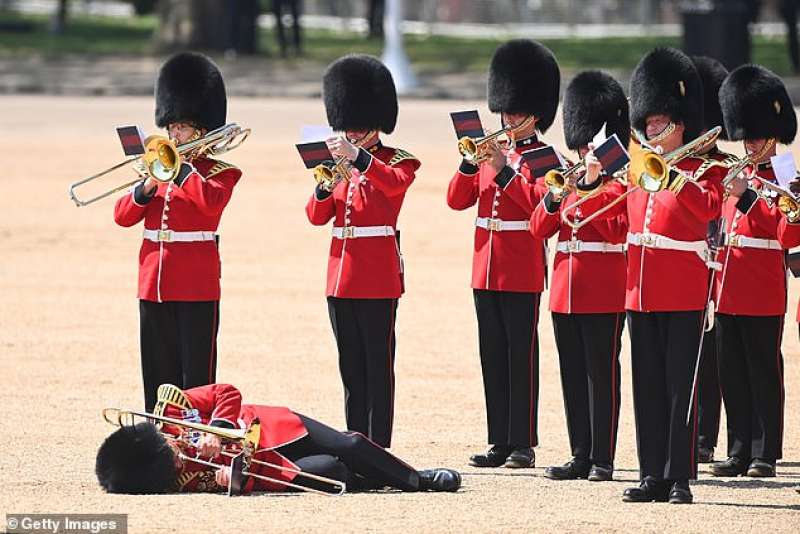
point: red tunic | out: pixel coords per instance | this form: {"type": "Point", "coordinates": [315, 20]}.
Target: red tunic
{"type": "Point", "coordinates": [223, 402]}
{"type": "Point", "coordinates": [366, 267]}
{"type": "Point", "coordinates": [663, 279]}
{"type": "Point", "coordinates": [504, 260]}
{"type": "Point", "coordinates": [584, 281]}
{"type": "Point", "coordinates": [752, 280]}
{"type": "Point", "coordinates": [181, 271]}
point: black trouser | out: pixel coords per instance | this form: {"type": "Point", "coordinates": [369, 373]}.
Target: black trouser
{"type": "Point", "coordinates": [588, 352]}
{"type": "Point", "coordinates": [664, 347]}
{"type": "Point", "coordinates": [348, 457]}
{"type": "Point", "coordinates": [751, 375]}
{"type": "Point", "coordinates": [364, 330]}
{"type": "Point", "coordinates": [509, 347]}
{"type": "Point", "coordinates": [178, 345]}
{"type": "Point", "coordinates": [708, 394]}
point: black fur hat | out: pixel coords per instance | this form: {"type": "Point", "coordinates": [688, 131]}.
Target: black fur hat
{"type": "Point", "coordinates": [137, 460]}
{"type": "Point", "coordinates": [712, 73]}
{"type": "Point", "coordinates": [755, 105]}
{"type": "Point", "coordinates": [592, 99]}
{"type": "Point", "coordinates": [666, 82]}
{"type": "Point", "coordinates": [524, 78]}
{"type": "Point", "coordinates": [360, 94]}
{"type": "Point", "coordinates": [190, 88]}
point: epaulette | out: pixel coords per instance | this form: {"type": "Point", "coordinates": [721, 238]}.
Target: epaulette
{"type": "Point", "coordinates": [707, 164]}
{"type": "Point", "coordinates": [168, 394]}
{"type": "Point", "coordinates": [218, 167]}
{"type": "Point", "coordinates": [182, 481]}
{"type": "Point", "coordinates": [400, 155]}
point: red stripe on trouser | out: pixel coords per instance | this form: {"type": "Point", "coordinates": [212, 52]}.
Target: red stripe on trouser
{"type": "Point", "coordinates": [613, 434]}
{"type": "Point", "coordinates": [212, 359]}
{"type": "Point", "coordinates": [693, 395]}
{"type": "Point", "coordinates": [779, 363]}
{"type": "Point", "coordinates": [391, 372]}
{"type": "Point", "coordinates": [533, 383]}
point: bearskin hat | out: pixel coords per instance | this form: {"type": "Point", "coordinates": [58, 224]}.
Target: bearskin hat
{"type": "Point", "coordinates": [712, 73]}
{"type": "Point", "coordinates": [756, 105]}
{"type": "Point", "coordinates": [592, 99]}
{"type": "Point", "coordinates": [360, 94]}
{"type": "Point", "coordinates": [524, 78]}
{"type": "Point", "coordinates": [190, 88]}
{"type": "Point", "coordinates": [666, 82]}
{"type": "Point", "coordinates": [135, 459]}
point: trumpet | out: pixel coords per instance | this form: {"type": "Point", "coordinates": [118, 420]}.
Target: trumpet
{"type": "Point", "coordinates": [475, 150]}
{"type": "Point", "coordinates": [329, 175]}
{"type": "Point", "coordinates": [557, 180]}
{"type": "Point", "coordinates": [238, 444]}
{"type": "Point", "coordinates": [162, 158]}
{"type": "Point", "coordinates": [648, 170]}
{"type": "Point", "coordinates": [747, 161]}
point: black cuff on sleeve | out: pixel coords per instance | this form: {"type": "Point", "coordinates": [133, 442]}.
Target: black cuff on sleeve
{"type": "Point", "coordinates": [363, 160]}
{"type": "Point", "coordinates": [140, 197]}
{"type": "Point", "coordinates": [221, 423]}
{"type": "Point", "coordinates": [551, 204]}
{"type": "Point", "coordinates": [467, 168]}
{"type": "Point", "coordinates": [320, 193]}
{"type": "Point", "coordinates": [747, 200]}
{"type": "Point", "coordinates": [504, 176]}
{"type": "Point", "coordinates": [586, 188]}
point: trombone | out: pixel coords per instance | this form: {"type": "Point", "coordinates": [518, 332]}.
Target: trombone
{"type": "Point", "coordinates": [648, 170]}
{"type": "Point", "coordinates": [474, 150]}
{"type": "Point", "coordinates": [162, 158]}
{"type": "Point", "coordinates": [240, 445]}
{"type": "Point", "coordinates": [787, 203]}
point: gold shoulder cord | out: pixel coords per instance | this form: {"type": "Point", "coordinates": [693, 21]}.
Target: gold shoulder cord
{"type": "Point", "coordinates": [218, 167]}
{"type": "Point", "coordinates": [400, 155]}
{"type": "Point", "coordinates": [169, 394]}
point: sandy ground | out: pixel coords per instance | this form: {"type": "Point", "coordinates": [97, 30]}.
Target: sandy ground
{"type": "Point", "coordinates": [69, 343]}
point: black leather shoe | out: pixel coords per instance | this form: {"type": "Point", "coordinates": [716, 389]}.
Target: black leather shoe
{"type": "Point", "coordinates": [649, 490]}
{"type": "Point", "coordinates": [439, 480]}
{"type": "Point", "coordinates": [761, 469]}
{"type": "Point", "coordinates": [521, 458]}
{"type": "Point", "coordinates": [680, 493]}
{"type": "Point", "coordinates": [705, 455]}
{"type": "Point", "coordinates": [601, 473]}
{"type": "Point", "coordinates": [732, 467]}
{"type": "Point", "coordinates": [494, 457]}
{"type": "Point", "coordinates": [572, 470]}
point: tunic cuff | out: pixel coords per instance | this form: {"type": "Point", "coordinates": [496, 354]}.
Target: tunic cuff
{"type": "Point", "coordinates": [139, 196]}
{"type": "Point", "coordinates": [746, 201]}
{"type": "Point", "coordinates": [551, 204]}
{"type": "Point", "coordinates": [320, 194]}
{"type": "Point", "coordinates": [363, 160]}
{"type": "Point", "coordinates": [467, 168]}
{"type": "Point", "coordinates": [221, 423]}
{"type": "Point", "coordinates": [504, 177]}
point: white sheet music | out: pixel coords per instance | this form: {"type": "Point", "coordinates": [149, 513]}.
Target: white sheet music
{"type": "Point", "coordinates": [315, 132]}
{"type": "Point", "coordinates": [784, 167]}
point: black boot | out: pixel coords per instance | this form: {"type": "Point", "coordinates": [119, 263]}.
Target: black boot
{"type": "Point", "coordinates": [494, 457]}
{"type": "Point", "coordinates": [761, 469]}
{"type": "Point", "coordinates": [649, 490]}
{"type": "Point", "coordinates": [572, 470]}
{"type": "Point", "coordinates": [705, 455]}
{"type": "Point", "coordinates": [521, 458]}
{"type": "Point", "coordinates": [439, 480]}
{"type": "Point", "coordinates": [601, 473]}
{"type": "Point", "coordinates": [732, 467]}
{"type": "Point", "coordinates": [680, 493]}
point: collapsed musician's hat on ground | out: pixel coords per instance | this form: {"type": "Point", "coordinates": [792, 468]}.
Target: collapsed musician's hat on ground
{"type": "Point", "coordinates": [756, 105]}
{"type": "Point", "coordinates": [712, 74]}
{"type": "Point", "coordinates": [666, 82]}
{"type": "Point", "coordinates": [136, 459]}
{"type": "Point", "coordinates": [190, 88]}
{"type": "Point", "coordinates": [524, 78]}
{"type": "Point", "coordinates": [359, 94]}
{"type": "Point", "coordinates": [593, 98]}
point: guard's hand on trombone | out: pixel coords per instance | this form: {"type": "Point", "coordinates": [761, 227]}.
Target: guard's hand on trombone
{"type": "Point", "coordinates": [593, 167]}
{"type": "Point", "coordinates": [339, 146]}
{"type": "Point", "coordinates": [209, 445]}
{"type": "Point", "coordinates": [223, 476]}
{"type": "Point", "coordinates": [737, 186]}
{"type": "Point", "coordinates": [150, 183]}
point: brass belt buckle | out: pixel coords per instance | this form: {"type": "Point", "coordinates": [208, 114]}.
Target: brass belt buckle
{"type": "Point", "coordinates": [647, 240]}
{"type": "Point", "coordinates": [348, 232]}
{"type": "Point", "coordinates": [494, 225]}
{"type": "Point", "coordinates": [734, 240]}
{"type": "Point", "coordinates": [573, 246]}
{"type": "Point", "coordinates": [165, 236]}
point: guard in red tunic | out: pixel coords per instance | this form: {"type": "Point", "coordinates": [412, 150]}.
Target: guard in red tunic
{"type": "Point", "coordinates": [179, 263]}
{"type": "Point", "coordinates": [709, 401]}
{"type": "Point", "coordinates": [508, 267]}
{"type": "Point", "coordinates": [588, 317]}
{"type": "Point", "coordinates": [757, 110]}
{"type": "Point", "coordinates": [365, 269]}
{"type": "Point", "coordinates": [139, 459]}
{"type": "Point", "coordinates": [667, 282]}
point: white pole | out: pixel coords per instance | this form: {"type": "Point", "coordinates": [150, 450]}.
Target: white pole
{"type": "Point", "coordinates": [394, 55]}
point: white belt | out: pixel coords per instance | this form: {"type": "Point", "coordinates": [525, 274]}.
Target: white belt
{"type": "Point", "coordinates": [664, 242]}
{"type": "Point", "coordinates": [171, 236]}
{"type": "Point", "coordinates": [499, 225]}
{"type": "Point", "coordinates": [741, 241]}
{"type": "Point", "coordinates": [352, 232]}
{"type": "Point", "coordinates": [575, 246]}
